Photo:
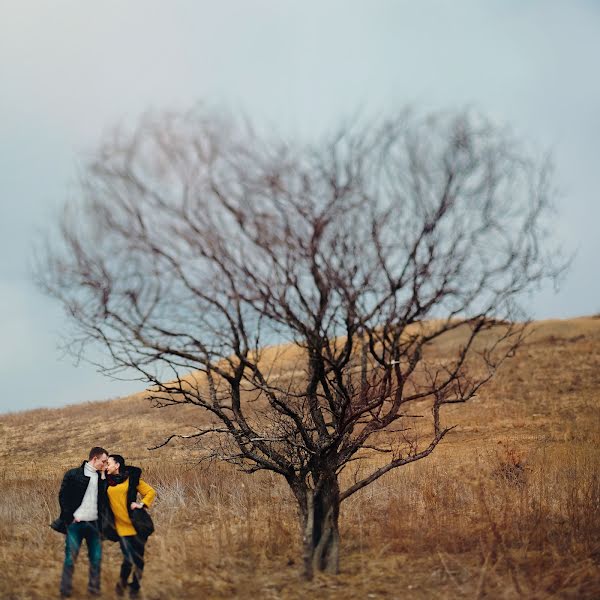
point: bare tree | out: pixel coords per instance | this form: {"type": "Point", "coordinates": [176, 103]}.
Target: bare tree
{"type": "Point", "coordinates": [200, 247]}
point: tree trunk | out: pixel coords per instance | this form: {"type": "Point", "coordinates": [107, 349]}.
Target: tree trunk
{"type": "Point", "coordinates": [319, 514]}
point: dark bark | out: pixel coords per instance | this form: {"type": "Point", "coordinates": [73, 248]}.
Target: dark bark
{"type": "Point", "coordinates": [319, 510]}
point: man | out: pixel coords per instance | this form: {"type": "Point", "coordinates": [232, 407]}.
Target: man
{"type": "Point", "coordinates": [82, 500]}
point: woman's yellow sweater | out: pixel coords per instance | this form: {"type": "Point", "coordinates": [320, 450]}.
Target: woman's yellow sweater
{"type": "Point", "coordinates": [117, 496]}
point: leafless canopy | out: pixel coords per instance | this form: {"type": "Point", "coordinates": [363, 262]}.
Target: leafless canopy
{"type": "Point", "coordinates": [306, 286]}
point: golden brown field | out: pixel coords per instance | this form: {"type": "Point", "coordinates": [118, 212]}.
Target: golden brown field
{"type": "Point", "coordinates": [507, 507]}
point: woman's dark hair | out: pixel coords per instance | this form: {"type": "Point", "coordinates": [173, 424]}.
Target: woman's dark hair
{"type": "Point", "coordinates": [118, 459]}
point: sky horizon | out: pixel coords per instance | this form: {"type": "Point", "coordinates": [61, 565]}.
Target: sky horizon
{"type": "Point", "coordinates": [71, 72]}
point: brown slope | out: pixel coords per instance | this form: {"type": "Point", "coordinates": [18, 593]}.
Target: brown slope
{"type": "Point", "coordinates": [550, 388]}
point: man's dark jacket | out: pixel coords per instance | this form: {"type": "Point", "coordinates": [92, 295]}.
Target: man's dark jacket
{"type": "Point", "coordinates": [70, 497]}
{"type": "Point", "coordinates": [140, 519]}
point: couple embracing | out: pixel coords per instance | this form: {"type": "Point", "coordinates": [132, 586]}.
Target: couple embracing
{"type": "Point", "coordinates": [99, 500]}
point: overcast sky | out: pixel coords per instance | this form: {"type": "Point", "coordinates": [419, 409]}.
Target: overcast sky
{"type": "Point", "coordinates": [71, 69]}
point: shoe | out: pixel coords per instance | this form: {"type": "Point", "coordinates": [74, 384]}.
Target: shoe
{"type": "Point", "coordinates": [120, 587]}
{"type": "Point", "coordinates": [134, 593]}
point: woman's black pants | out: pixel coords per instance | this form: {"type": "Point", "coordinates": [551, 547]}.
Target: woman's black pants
{"type": "Point", "coordinates": [132, 547]}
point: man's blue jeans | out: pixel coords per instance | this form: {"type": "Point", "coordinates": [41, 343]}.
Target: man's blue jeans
{"type": "Point", "coordinates": [76, 533]}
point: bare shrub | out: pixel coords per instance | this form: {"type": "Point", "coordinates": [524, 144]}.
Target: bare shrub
{"type": "Point", "coordinates": [509, 465]}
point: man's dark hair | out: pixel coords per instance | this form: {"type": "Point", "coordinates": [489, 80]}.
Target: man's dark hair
{"type": "Point", "coordinates": [118, 459]}
{"type": "Point", "coordinates": [96, 451]}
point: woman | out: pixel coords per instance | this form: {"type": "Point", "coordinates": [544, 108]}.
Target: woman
{"type": "Point", "coordinates": [127, 522]}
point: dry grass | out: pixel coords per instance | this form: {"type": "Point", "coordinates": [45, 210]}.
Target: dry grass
{"type": "Point", "coordinates": [507, 507]}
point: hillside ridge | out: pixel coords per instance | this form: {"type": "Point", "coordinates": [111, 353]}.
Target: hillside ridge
{"type": "Point", "coordinates": [554, 376]}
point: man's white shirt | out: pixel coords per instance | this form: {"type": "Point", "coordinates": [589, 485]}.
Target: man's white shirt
{"type": "Point", "coordinates": [88, 511]}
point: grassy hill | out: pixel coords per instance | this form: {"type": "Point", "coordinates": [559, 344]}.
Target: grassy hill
{"type": "Point", "coordinates": [506, 507]}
